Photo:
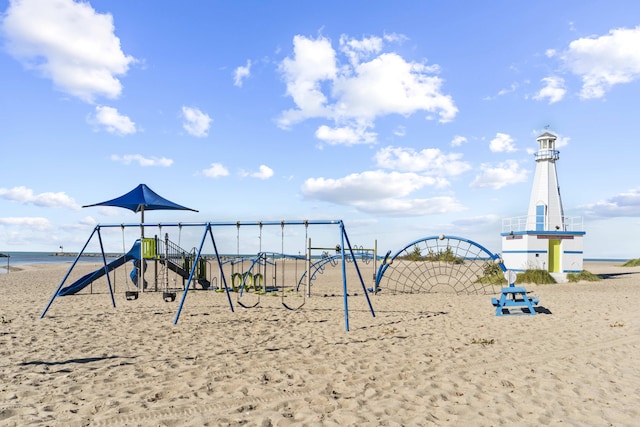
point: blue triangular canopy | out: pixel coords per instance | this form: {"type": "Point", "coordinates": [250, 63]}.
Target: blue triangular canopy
{"type": "Point", "coordinates": [141, 199]}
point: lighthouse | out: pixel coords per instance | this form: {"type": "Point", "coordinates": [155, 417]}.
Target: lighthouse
{"type": "Point", "coordinates": [545, 238]}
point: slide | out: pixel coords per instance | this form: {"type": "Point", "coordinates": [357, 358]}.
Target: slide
{"type": "Point", "coordinates": [86, 280]}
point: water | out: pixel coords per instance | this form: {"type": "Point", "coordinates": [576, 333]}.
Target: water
{"type": "Point", "coordinates": [20, 258]}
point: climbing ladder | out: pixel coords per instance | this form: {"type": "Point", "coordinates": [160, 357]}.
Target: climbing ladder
{"type": "Point", "coordinates": [171, 257]}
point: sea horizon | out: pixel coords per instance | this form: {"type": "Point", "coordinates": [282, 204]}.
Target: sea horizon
{"type": "Point", "coordinates": [16, 258]}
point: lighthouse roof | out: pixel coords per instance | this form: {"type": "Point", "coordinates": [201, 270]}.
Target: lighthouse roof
{"type": "Point", "coordinates": [547, 135]}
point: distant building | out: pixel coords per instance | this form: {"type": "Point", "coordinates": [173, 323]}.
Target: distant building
{"type": "Point", "coordinates": [544, 239]}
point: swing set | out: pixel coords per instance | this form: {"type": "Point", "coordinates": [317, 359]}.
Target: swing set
{"type": "Point", "coordinates": [249, 283]}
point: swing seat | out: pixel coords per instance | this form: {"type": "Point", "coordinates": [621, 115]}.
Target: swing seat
{"type": "Point", "coordinates": [169, 296]}
{"type": "Point", "coordinates": [131, 295]}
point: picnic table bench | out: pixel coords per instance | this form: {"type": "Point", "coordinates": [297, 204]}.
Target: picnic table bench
{"type": "Point", "coordinates": [514, 296]}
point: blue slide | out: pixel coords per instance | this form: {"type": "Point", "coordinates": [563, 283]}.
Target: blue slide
{"type": "Point", "coordinates": [86, 280]}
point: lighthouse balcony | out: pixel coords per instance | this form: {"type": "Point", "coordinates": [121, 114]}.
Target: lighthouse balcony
{"type": "Point", "coordinates": [531, 223]}
{"type": "Point", "coordinates": [547, 155]}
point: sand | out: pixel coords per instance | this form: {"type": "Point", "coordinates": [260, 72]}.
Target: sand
{"type": "Point", "coordinates": [434, 359]}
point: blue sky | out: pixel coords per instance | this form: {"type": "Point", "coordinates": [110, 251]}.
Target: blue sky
{"type": "Point", "coordinates": [405, 119]}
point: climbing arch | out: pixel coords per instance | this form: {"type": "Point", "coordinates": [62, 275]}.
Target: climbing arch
{"type": "Point", "coordinates": [441, 264]}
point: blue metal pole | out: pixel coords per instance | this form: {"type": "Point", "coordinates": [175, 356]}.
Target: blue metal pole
{"type": "Point", "coordinates": [224, 279]}
{"type": "Point", "coordinates": [344, 280]}
{"type": "Point", "coordinates": [106, 270]}
{"type": "Point", "coordinates": [186, 288]}
{"type": "Point", "coordinates": [55, 294]}
{"type": "Point", "coordinates": [355, 263]}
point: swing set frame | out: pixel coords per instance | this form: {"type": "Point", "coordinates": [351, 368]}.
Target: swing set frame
{"type": "Point", "coordinates": [209, 234]}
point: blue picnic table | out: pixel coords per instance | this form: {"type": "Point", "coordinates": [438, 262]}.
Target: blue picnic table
{"type": "Point", "coordinates": [514, 296]}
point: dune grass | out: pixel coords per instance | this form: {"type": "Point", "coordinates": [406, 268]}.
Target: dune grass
{"type": "Point", "coordinates": [583, 275]}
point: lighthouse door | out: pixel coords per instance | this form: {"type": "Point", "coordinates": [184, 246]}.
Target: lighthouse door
{"type": "Point", "coordinates": [554, 256]}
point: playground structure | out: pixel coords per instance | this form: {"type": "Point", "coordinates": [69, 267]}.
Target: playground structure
{"type": "Point", "coordinates": [165, 257]}
{"type": "Point", "coordinates": [455, 265]}
{"type": "Point", "coordinates": [216, 271]}
{"type": "Point", "coordinates": [441, 264]}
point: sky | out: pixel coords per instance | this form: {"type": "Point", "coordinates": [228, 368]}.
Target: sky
{"type": "Point", "coordinates": [404, 119]}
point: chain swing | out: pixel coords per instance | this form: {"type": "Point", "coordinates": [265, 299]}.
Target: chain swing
{"type": "Point", "coordinates": [245, 278]}
{"type": "Point", "coordinates": [293, 288]}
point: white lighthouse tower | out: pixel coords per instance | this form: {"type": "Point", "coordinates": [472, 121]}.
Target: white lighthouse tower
{"type": "Point", "coordinates": [545, 238]}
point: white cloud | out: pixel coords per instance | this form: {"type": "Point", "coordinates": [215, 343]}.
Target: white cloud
{"type": "Point", "coordinates": [380, 192]}
{"type": "Point", "coordinates": [113, 121]}
{"type": "Point", "coordinates": [562, 141]}
{"type": "Point", "coordinates": [25, 195]}
{"type": "Point", "coordinates": [241, 73]}
{"type": "Point", "coordinates": [502, 143]}
{"type": "Point", "coordinates": [142, 161]}
{"type": "Point", "coordinates": [313, 62]}
{"type": "Point", "coordinates": [400, 131]}
{"type": "Point", "coordinates": [430, 160]}
{"type": "Point", "coordinates": [372, 83]}
{"type": "Point", "coordinates": [626, 204]}
{"type": "Point", "coordinates": [602, 62]}
{"type": "Point", "coordinates": [506, 173]}
{"type": "Point", "coordinates": [365, 186]}
{"type": "Point", "coordinates": [69, 43]}
{"type": "Point", "coordinates": [264, 172]}
{"type": "Point", "coordinates": [33, 223]}
{"type": "Point", "coordinates": [345, 135]}
{"type": "Point", "coordinates": [357, 50]}
{"type": "Point", "coordinates": [411, 207]}
{"type": "Point", "coordinates": [215, 170]}
{"type": "Point", "coordinates": [196, 123]}
{"type": "Point", "coordinates": [554, 89]}
{"type": "Point", "coordinates": [458, 141]}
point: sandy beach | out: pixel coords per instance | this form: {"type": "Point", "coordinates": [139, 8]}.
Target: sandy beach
{"type": "Point", "coordinates": [427, 359]}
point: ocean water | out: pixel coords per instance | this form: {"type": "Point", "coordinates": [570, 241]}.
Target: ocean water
{"type": "Point", "coordinates": [20, 258]}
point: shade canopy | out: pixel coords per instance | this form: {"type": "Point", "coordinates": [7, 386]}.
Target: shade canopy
{"type": "Point", "coordinates": [141, 199]}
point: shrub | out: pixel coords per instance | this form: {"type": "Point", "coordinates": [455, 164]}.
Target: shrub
{"type": "Point", "coordinates": [537, 276]}
{"type": "Point", "coordinates": [583, 275]}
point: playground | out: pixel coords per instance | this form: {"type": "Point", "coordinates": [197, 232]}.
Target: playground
{"type": "Point", "coordinates": [159, 265]}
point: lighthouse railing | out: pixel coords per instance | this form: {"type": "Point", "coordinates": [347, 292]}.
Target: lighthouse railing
{"type": "Point", "coordinates": [527, 223]}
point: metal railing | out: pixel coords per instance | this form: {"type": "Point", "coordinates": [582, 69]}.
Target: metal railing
{"type": "Point", "coordinates": [528, 223]}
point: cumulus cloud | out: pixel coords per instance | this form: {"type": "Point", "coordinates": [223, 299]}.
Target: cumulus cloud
{"type": "Point", "coordinates": [264, 172]}
{"type": "Point", "coordinates": [113, 121]}
{"type": "Point", "coordinates": [69, 43]}
{"type": "Point", "coordinates": [604, 61]}
{"type": "Point", "coordinates": [496, 177]}
{"type": "Point", "coordinates": [381, 193]}
{"type": "Point", "coordinates": [411, 207]}
{"type": "Point", "coordinates": [196, 123]}
{"type": "Point", "coordinates": [626, 204]}
{"type": "Point", "coordinates": [429, 161]}
{"type": "Point", "coordinates": [365, 186]}
{"type": "Point", "coordinates": [216, 170]}
{"type": "Point", "coordinates": [367, 84]}
{"type": "Point", "coordinates": [345, 135]}
{"type": "Point", "coordinates": [553, 90]}
{"type": "Point", "coordinates": [127, 159]}
{"type": "Point", "coordinates": [458, 141]}
{"type": "Point", "coordinates": [502, 143]}
{"type": "Point", "coordinates": [241, 73]}
{"type": "Point", "coordinates": [25, 195]}
{"type": "Point", "coordinates": [32, 223]}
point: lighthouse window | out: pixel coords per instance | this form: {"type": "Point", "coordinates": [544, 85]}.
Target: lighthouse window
{"type": "Point", "coordinates": [544, 144]}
